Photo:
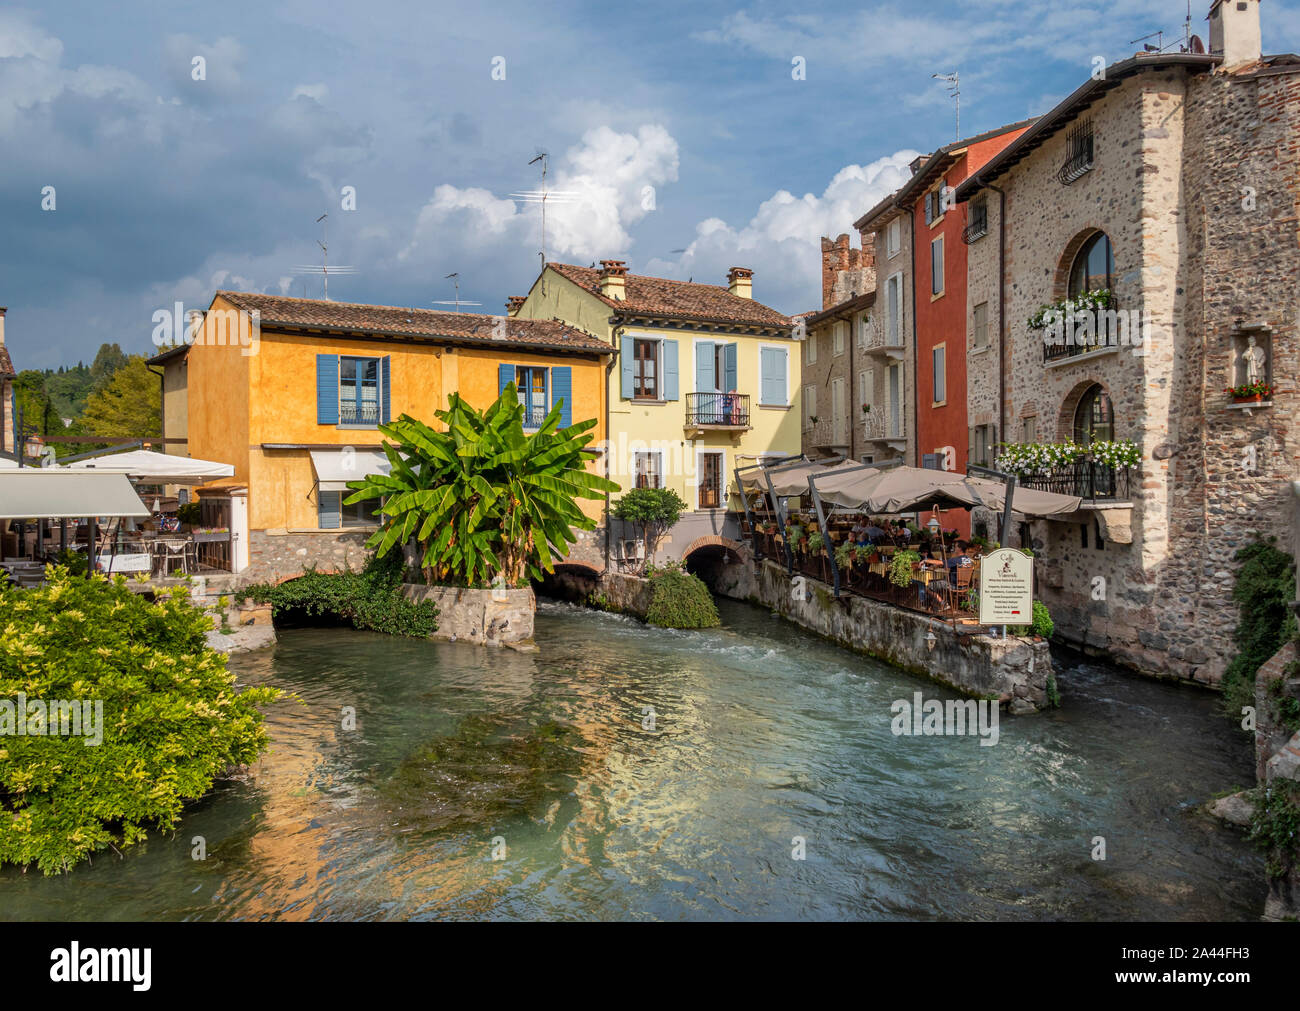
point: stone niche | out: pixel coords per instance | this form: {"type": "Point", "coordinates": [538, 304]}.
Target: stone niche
{"type": "Point", "coordinates": [1249, 341]}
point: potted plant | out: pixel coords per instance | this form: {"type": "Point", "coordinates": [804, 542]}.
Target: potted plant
{"type": "Point", "coordinates": [845, 555]}
{"type": "Point", "coordinates": [900, 567]}
{"type": "Point", "coordinates": [1250, 393]}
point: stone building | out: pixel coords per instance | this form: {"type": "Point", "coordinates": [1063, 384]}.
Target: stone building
{"type": "Point", "coordinates": [8, 411]}
{"type": "Point", "coordinates": [1170, 185]}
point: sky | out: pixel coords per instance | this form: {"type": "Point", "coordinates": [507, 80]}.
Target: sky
{"type": "Point", "coordinates": [154, 152]}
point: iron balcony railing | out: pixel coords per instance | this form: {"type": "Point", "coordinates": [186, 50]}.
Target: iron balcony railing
{"type": "Point", "coordinates": [352, 413]}
{"type": "Point", "coordinates": [1061, 341]}
{"type": "Point", "coordinates": [717, 410]}
{"type": "Point", "coordinates": [1085, 479]}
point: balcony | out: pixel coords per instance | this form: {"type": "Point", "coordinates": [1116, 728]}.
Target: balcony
{"type": "Point", "coordinates": [1093, 482]}
{"type": "Point", "coordinates": [717, 412]}
{"type": "Point", "coordinates": [878, 341]}
{"type": "Point", "coordinates": [352, 413]}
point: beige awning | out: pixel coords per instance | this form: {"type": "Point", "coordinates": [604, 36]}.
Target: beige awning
{"type": "Point", "coordinates": [336, 467]}
{"type": "Point", "coordinates": [160, 468]}
{"type": "Point", "coordinates": [793, 479]}
{"type": "Point", "coordinates": [55, 493]}
{"type": "Point", "coordinates": [908, 489]}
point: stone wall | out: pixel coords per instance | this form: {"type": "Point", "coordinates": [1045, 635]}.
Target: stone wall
{"type": "Point", "coordinates": [479, 617]}
{"type": "Point", "coordinates": [1277, 757]}
{"type": "Point", "coordinates": [274, 556]}
{"type": "Point", "coordinates": [1015, 671]}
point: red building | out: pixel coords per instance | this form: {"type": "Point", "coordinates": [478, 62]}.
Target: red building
{"type": "Point", "coordinates": [942, 231]}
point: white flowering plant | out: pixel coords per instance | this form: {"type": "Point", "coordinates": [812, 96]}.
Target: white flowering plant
{"type": "Point", "coordinates": [1036, 457]}
{"type": "Point", "coordinates": [1064, 311]}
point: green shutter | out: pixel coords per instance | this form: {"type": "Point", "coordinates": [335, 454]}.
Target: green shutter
{"type": "Point", "coordinates": [729, 378]}
{"type": "Point", "coordinates": [670, 370]}
{"type": "Point", "coordinates": [704, 374]}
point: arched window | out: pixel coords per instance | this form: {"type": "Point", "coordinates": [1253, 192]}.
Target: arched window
{"type": "Point", "coordinates": [1093, 267]}
{"type": "Point", "coordinates": [1094, 419]}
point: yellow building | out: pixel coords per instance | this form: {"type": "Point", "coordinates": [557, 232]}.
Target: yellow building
{"type": "Point", "coordinates": [291, 392]}
{"type": "Point", "coordinates": [705, 379]}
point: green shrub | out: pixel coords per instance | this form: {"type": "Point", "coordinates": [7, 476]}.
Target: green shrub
{"type": "Point", "coordinates": [653, 510]}
{"type": "Point", "coordinates": [1275, 825]}
{"type": "Point", "coordinates": [371, 599]}
{"type": "Point", "coordinates": [679, 599]}
{"type": "Point", "coordinates": [900, 567]}
{"type": "Point", "coordinates": [190, 512]}
{"type": "Point", "coordinates": [1263, 593]}
{"type": "Point", "coordinates": [73, 561]}
{"type": "Point", "coordinates": [1042, 624]}
{"type": "Point", "coordinates": [172, 720]}
{"type": "Point", "coordinates": [816, 543]}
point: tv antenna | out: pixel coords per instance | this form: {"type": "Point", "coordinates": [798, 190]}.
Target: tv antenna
{"type": "Point", "coordinates": [455, 280]}
{"type": "Point", "coordinates": [953, 81]}
{"type": "Point", "coordinates": [324, 268]}
{"type": "Point", "coordinates": [544, 196]}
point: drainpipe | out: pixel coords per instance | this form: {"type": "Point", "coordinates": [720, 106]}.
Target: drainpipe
{"type": "Point", "coordinates": [162, 405]}
{"type": "Point", "coordinates": [609, 442]}
{"type": "Point", "coordinates": [916, 272]}
{"type": "Point", "coordinates": [852, 404]}
{"type": "Point", "coordinates": [1002, 283]}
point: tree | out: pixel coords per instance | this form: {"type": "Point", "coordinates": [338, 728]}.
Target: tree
{"type": "Point", "coordinates": [482, 498]}
{"type": "Point", "coordinates": [38, 411]}
{"type": "Point", "coordinates": [129, 405]}
{"type": "Point", "coordinates": [653, 510]}
{"type": "Point", "coordinates": [108, 360]}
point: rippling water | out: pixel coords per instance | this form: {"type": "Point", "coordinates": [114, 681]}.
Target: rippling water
{"type": "Point", "coordinates": [761, 733]}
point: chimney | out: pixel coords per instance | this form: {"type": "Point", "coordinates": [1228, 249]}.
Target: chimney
{"type": "Point", "coordinates": [3, 309]}
{"type": "Point", "coordinates": [1234, 32]}
{"type": "Point", "coordinates": [514, 303]}
{"type": "Point", "coordinates": [613, 279]}
{"type": "Point", "coordinates": [835, 260]}
{"type": "Point", "coordinates": [740, 282]}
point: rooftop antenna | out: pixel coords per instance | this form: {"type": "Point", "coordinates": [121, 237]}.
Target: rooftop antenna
{"type": "Point", "coordinates": [455, 279]}
{"type": "Point", "coordinates": [544, 196]}
{"type": "Point", "coordinates": [324, 268]}
{"type": "Point", "coordinates": [953, 81]}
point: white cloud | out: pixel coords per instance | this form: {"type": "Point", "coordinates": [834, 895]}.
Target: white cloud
{"type": "Point", "coordinates": [603, 185]}
{"type": "Point", "coordinates": [317, 91]}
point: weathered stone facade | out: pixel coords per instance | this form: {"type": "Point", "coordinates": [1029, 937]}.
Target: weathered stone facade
{"type": "Point", "coordinates": [273, 556]}
{"type": "Point", "coordinates": [1178, 149]}
{"type": "Point", "coordinates": [479, 617]}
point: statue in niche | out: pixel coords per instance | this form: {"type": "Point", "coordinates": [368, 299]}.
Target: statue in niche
{"type": "Point", "coordinates": [1253, 362]}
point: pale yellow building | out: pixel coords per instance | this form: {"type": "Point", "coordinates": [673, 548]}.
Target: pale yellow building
{"type": "Point", "coordinates": [703, 379]}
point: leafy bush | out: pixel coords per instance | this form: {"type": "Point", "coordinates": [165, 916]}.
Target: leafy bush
{"type": "Point", "coordinates": [191, 513]}
{"type": "Point", "coordinates": [171, 723]}
{"type": "Point", "coordinates": [73, 561]}
{"type": "Point", "coordinates": [816, 543]}
{"type": "Point", "coordinates": [679, 599]}
{"type": "Point", "coordinates": [371, 599]}
{"type": "Point", "coordinates": [1042, 624]}
{"type": "Point", "coordinates": [900, 567]}
{"type": "Point", "coordinates": [1263, 592]}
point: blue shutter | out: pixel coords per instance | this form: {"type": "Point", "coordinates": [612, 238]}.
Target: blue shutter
{"type": "Point", "coordinates": [546, 390]}
{"type": "Point", "coordinates": [625, 353]}
{"type": "Point", "coordinates": [729, 364]}
{"type": "Point", "coordinates": [773, 386]}
{"type": "Point", "coordinates": [562, 392]}
{"type": "Point", "coordinates": [385, 400]}
{"type": "Point", "coordinates": [505, 376]}
{"type": "Point", "coordinates": [704, 368]}
{"type": "Point", "coordinates": [670, 370]}
{"type": "Point", "coordinates": [327, 389]}
{"type": "Point", "coordinates": [329, 510]}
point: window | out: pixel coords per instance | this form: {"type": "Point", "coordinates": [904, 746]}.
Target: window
{"type": "Point", "coordinates": [1080, 148]}
{"type": "Point", "coordinates": [838, 346]}
{"type": "Point", "coordinates": [931, 207]}
{"type": "Point", "coordinates": [982, 443]}
{"type": "Point", "coordinates": [773, 373]}
{"type": "Point", "coordinates": [333, 514]}
{"type": "Point", "coordinates": [864, 329]}
{"type": "Point", "coordinates": [839, 411]}
{"type": "Point", "coordinates": [531, 385]}
{"type": "Point", "coordinates": [981, 320]}
{"type": "Point", "coordinates": [1028, 429]}
{"type": "Point", "coordinates": [715, 367]}
{"type": "Point", "coordinates": [938, 359]}
{"type": "Point", "coordinates": [1093, 267]}
{"type": "Point", "coordinates": [1094, 419]}
{"type": "Point", "coordinates": [936, 266]}
{"type": "Point", "coordinates": [811, 345]}
{"type": "Point", "coordinates": [979, 220]}
{"type": "Point", "coordinates": [358, 391]}
{"type": "Point", "coordinates": [866, 390]}
{"type": "Point", "coordinates": [645, 369]}
{"type": "Point", "coordinates": [648, 470]}
{"type": "Point", "coordinates": [894, 297]}
{"type": "Point", "coordinates": [809, 405]}
{"type": "Point", "coordinates": [710, 468]}
{"type": "Point", "coordinates": [893, 237]}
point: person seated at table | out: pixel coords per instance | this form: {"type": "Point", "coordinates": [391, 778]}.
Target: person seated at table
{"type": "Point", "coordinates": [860, 533]}
{"type": "Point", "coordinates": [875, 534]}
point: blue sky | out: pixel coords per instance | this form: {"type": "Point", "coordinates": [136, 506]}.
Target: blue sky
{"type": "Point", "coordinates": [679, 131]}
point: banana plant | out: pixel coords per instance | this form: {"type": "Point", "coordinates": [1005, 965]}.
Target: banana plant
{"type": "Point", "coordinates": [483, 499]}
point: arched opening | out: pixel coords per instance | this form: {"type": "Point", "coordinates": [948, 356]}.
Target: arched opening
{"type": "Point", "coordinates": [708, 561]}
{"type": "Point", "coordinates": [574, 582]}
{"type": "Point", "coordinates": [1093, 267]}
{"type": "Point", "coordinates": [1094, 418]}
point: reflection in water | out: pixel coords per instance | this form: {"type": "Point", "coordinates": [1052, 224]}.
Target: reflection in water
{"type": "Point", "coordinates": [640, 773]}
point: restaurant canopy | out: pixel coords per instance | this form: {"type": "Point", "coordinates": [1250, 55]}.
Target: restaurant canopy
{"type": "Point", "coordinates": [159, 468]}
{"type": "Point", "coordinates": [792, 479]}
{"type": "Point", "coordinates": [336, 467]}
{"type": "Point", "coordinates": [909, 489]}
{"type": "Point", "coordinates": [31, 493]}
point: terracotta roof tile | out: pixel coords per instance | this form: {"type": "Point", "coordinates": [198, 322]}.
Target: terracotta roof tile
{"type": "Point", "coordinates": [399, 321]}
{"type": "Point", "coordinates": [658, 296]}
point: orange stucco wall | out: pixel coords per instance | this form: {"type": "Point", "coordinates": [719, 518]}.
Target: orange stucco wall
{"type": "Point", "coordinates": [240, 402]}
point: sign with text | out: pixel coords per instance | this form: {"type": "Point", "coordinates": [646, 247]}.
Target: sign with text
{"type": "Point", "coordinates": [1006, 588]}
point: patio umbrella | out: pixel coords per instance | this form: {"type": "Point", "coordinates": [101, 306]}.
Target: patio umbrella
{"type": "Point", "coordinates": [794, 481]}
{"type": "Point", "coordinates": [907, 489]}
{"type": "Point", "coordinates": [162, 468]}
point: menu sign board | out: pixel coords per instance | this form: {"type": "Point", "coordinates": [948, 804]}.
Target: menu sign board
{"type": "Point", "coordinates": [1006, 588]}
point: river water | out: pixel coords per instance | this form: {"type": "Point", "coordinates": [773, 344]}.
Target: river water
{"type": "Point", "coordinates": [629, 772]}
